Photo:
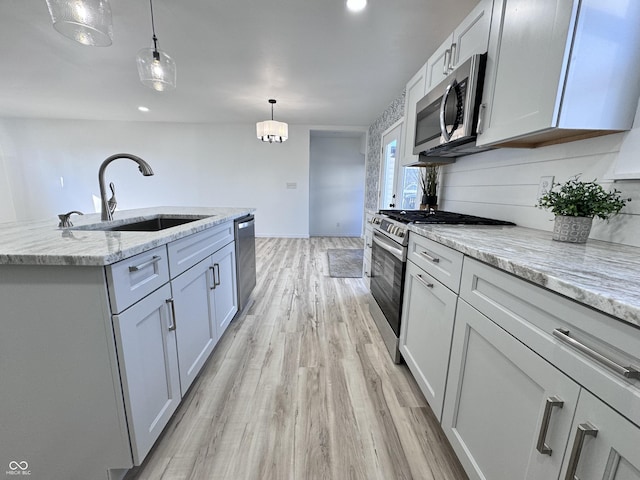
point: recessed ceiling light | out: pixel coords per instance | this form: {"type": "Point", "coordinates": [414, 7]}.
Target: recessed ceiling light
{"type": "Point", "coordinates": [143, 109]}
{"type": "Point", "coordinates": [356, 5]}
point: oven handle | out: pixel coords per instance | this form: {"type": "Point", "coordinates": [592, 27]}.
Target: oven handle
{"type": "Point", "coordinates": [379, 240]}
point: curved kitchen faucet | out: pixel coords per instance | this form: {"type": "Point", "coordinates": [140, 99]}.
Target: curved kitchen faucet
{"type": "Point", "coordinates": [109, 205]}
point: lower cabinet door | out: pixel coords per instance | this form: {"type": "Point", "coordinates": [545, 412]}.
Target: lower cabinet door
{"type": "Point", "coordinates": [225, 293]}
{"type": "Point", "coordinates": [425, 333]}
{"type": "Point", "coordinates": [146, 343]}
{"type": "Point", "coordinates": [507, 411]}
{"type": "Point", "coordinates": [603, 444]}
{"type": "Point", "coordinates": [195, 328]}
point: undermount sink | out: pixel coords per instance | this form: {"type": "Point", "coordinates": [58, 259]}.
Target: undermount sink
{"type": "Point", "coordinates": [154, 224]}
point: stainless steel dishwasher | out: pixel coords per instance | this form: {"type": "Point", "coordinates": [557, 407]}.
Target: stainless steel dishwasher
{"type": "Point", "coordinates": [245, 258]}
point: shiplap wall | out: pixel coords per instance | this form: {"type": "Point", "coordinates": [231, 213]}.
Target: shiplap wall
{"type": "Point", "coordinates": [504, 184]}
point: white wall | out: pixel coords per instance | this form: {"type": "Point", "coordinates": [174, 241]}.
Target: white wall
{"type": "Point", "coordinates": [7, 210]}
{"type": "Point", "coordinates": [504, 184]}
{"type": "Point", "coordinates": [194, 164]}
{"type": "Point", "coordinates": [336, 186]}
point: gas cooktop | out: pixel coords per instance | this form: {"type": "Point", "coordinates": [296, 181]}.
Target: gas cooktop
{"type": "Point", "coordinates": [439, 216]}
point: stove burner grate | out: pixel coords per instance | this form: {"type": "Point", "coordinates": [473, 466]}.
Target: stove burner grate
{"type": "Point", "coordinates": [440, 217]}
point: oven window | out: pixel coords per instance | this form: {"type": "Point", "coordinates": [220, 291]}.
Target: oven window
{"type": "Point", "coordinates": [387, 274]}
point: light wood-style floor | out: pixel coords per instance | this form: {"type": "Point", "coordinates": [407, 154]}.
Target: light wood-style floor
{"type": "Point", "coordinates": [301, 388]}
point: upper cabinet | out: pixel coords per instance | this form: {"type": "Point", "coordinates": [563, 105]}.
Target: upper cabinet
{"type": "Point", "coordinates": [414, 92]}
{"type": "Point", "coordinates": [560, 70]}
{"type": "Point", "coordinates": [471, 37]}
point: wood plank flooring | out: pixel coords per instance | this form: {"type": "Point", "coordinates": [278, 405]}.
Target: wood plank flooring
{"type": "Point", "coordinates": [301, 387]}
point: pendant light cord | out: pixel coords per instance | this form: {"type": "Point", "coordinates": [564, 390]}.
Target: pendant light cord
{"type": "Point", "coordinates": [156, 54]}
{"type": "Point", "coordinates": [272, 112]}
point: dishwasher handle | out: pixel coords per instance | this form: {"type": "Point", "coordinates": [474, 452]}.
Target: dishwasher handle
{"type": "Point", "coordinates": [246, 223]}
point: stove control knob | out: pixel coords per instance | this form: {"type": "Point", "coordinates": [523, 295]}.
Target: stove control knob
{"type": "Point", "coordinates": [401, 233]}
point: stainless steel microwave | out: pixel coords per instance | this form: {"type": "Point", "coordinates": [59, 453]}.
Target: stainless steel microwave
{"type": "Point", "coordinates": [447, 117]}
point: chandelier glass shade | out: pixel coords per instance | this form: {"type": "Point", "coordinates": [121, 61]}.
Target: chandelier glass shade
{"type": "Point", "coordinates": [86, 21]}
{"type": "Point", "coordinates": [272, 131]}
{"type": "Point", "coordinates": [156, 69]}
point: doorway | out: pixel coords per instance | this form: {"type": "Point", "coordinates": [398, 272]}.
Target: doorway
{"type": "Point", "coordinates": [336, 183]}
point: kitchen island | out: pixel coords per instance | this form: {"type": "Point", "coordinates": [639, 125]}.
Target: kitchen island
{"type": "Point", "coordinates": [104, 332]}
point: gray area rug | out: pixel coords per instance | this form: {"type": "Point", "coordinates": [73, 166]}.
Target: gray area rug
{"type": "Point", "coordinates": [345, 262]}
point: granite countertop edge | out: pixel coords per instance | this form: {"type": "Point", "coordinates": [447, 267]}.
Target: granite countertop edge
{"type": "Point", "coordinates": [600, 275]}
{"type": "Point", "coordinates": [43, 243]}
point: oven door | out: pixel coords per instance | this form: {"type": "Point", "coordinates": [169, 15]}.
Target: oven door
{"type": "Point", "coordinates": [388, 263]}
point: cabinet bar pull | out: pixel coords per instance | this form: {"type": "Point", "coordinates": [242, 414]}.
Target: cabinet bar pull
{"type": "Point", "coordinates": [135, 268]}
{"type": "Point", "coordinates": [429, 257]}
{"type": "Point", "coordinates": [542, 447]}
{"type": "Point", "coordinates": [583, 430]}
{"type": "Point", "coordinates": [424, 282]}
{"type": "Point", "coordinates": [447, 61]}
{"type": "Point", "coordinates": [627, 372]}
{"type": "Point", "coordinates": [170, 301]}
{"type": "Point", "coordinates": [213, 277]}
{"type": "Point", "coordinates": [452, 57]}
{"type": "Point", "coordinates": [480, 127]}
{"type": "Point", "coordinates": [216, 269]}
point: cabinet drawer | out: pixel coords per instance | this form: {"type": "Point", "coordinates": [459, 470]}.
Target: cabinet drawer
{"type": "Point", "coordinates": [532, 314]}
{"type": "Point", "coordinates": [186, 252]}
{"type": "Point", "coordinates": [135, 277]}
{"type": "Point", "coordinates": [442, 263]}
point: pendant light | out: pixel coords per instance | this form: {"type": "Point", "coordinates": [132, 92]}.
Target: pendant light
{"type": "Point", "coordinates": [356, 5]}
{"type": "Point", "coordinates": [86, 21]}
{"type": "Point", "coordinates": [156, 69]}
{"type": "Point", "coordinates": [272, 131]}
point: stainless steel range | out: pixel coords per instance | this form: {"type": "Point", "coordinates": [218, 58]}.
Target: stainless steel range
{"type": "Point", "coordinates": [388, 263]}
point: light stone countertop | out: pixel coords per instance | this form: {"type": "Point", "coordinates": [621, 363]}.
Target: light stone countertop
{"type": "Point", "coordinates": [601, 275]}
{"type": "Point", "coordinates": [43, 243]}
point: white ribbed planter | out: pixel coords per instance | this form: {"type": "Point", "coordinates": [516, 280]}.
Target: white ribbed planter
{"type": "Point", "coordinates": [572, 229]}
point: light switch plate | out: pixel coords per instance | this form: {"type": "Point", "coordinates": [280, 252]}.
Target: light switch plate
{"type": "Point", "coordinates": [545, 185]}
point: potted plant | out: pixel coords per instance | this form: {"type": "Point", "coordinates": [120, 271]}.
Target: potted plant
{"type": "Point", "coordinates": [429, 183]}
{"type": "Point", "coordinates": [575, 203]}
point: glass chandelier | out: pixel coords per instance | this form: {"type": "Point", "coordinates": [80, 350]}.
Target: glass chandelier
{"type": "Point", "coordinates": [86, 21]}
{"type": "Point", "coordinates": [156, 69]}
{"type": "Point", "coordinates": [272, 131]}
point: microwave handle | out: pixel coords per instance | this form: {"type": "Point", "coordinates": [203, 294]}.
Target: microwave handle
{"type": "Point", "coordinates": [443, 105]}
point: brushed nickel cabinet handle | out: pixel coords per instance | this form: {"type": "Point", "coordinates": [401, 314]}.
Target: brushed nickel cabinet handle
{"type": "Point", "coordinates": [452, 57]}
{"type": "Point", "coordinates": [213, 277]}
{"type": "Point", "coordinates": [424, 281]}
{"type": "Point", "coordinates": [542, 447]}
{"type": "Point", "coordinates": [136, 268]}
{"type": "Point", "coordinates": [172, 326]}
{"type": "Point", "coordinates": [627, 372]}
{"type": "Point", "coordinates": [584, 430]}
{"type": "Point", "coordinates": [447, 61]}
{"type": "Point", "coordinates": [480, 127]}
{"type": "Point", "coordinates": [216, 269]}
{"type": "Point", "coordinates": [429, 257]}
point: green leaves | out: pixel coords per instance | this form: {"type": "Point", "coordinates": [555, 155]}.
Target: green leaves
{"type": "Point", "coordinates": [582, 199]}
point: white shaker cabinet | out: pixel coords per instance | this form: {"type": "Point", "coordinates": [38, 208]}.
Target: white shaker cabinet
{"type": "Point", "coordinates": [147, 354]}
{"type": "Point", "coordinates": [425, 333]}
{"type": "Point", "coordinates": [469, 38]}
{"type": "Point", "coordinates": [368, 245]}
{"type": "Point", "coordinates": [196, 335]}
{"type": "Point", "coordinates": [413, 93]}
{"type": "Point", "coordinates": [503, 414]}
{"type": "Point", "coordinates": [560, 70]}
{"type": "Point", "coordinates": [223, 289]}
{"type": "Point", "coordinates": [603, 444]}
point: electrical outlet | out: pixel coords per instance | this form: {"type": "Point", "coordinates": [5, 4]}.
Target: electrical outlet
{"type": "Point", "coordinates": [545, 185]}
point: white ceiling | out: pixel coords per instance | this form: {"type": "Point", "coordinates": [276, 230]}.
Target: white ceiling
{"type": "Point", "coordinates": [323, 64]}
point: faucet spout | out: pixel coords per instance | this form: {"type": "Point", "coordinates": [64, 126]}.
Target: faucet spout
{"type": "Point", "coordinates": [143, 166]}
